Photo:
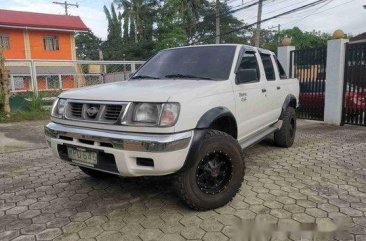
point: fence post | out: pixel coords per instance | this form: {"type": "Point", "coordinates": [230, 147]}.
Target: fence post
{"type": "Point", "coordinates": [133, 68]}
{"type": "Point", "coordinates": [34, 77]}
{"type": "Point", "coordinates": [284, 56]}
{"type": "Point", "coordinates": [12, 82]}
{"type": "Point", "coordinates": [60, 82]}
{"type": "Point", "coordinates": [336, 53]}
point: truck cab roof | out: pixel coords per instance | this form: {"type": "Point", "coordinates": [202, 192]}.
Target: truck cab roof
{"type": "Point", "coordinates": [248, 47]}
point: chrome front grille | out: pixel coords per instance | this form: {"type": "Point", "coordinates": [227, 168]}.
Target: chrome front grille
{"type": "Point", "coordinates": [112, 112]}
{"type": "Point", "coordinates": [93, 111]}
{"type": "Point", "coordinates": [76, 109]}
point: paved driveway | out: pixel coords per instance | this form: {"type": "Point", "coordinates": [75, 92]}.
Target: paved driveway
{"type": "Point", "coordinates": [321, 179]}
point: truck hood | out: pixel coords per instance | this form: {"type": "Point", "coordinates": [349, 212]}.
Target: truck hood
{"type": "Point", "coordinates": [145, 90]}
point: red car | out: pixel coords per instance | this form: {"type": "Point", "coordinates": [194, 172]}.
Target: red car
{"type": "Point", "coordinates": [312, 97]}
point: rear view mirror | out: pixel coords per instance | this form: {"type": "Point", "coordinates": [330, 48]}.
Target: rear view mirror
{"type": "Point", "coordinates": [246, 76]}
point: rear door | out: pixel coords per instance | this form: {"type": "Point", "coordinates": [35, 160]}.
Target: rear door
{"type": "Point", "coordinates": [249, 90]}
{"type": "Point", "coordinates": [273, 86]}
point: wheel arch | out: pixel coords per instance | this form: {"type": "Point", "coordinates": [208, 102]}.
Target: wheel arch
{"type": "Point", "coordinates": [206, 122]}
{"type": "Point", "coordinates": [289, 101]}
{"type": "Point", "coordinates": [219, 118]}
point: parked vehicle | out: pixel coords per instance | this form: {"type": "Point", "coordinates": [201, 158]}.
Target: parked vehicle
{"type": "Point", "coordinates": [355, 98]}
{"type": "Point", "coordinates": [188, 112]}
{"type": "Point", "coordinates": [312, 95]}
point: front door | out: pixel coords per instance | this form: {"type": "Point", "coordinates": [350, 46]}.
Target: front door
{"type": "Point", "coordinates": [250, 95]}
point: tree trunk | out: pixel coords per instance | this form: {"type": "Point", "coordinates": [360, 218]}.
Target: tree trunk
{"type": "Point", "coordinates": [4, 83]}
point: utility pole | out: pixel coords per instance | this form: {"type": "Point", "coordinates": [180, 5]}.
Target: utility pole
{"type": "Point", "coordinates": [67, 5]}
{"type": "Point", "coordinates": [217, 11]}
{"type": "Point", "coordinates": [259, 19]}
{"type": "Point", "coordinates": [278, 27]}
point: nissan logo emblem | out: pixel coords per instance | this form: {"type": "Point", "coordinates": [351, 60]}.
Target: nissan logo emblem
{"type": "Point", "coordinates": [92, 111]}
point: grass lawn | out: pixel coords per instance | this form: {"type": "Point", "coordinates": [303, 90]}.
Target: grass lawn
{"type": "Point", "coordinates": [24, 116]}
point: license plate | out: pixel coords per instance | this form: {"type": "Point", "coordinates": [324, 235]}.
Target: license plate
{"type": "Point", "coordinates": [83, 156]}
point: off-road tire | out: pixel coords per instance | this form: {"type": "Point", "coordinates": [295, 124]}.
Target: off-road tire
{"type": "Point", "coordinates": [94, 173]}
{"type": "Point", "coordinates": [285, 136]}
{"type": "Point", "coordinates": [186, 181]}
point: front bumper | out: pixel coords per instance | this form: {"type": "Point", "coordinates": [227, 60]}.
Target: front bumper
{"type": "Point", "coordinates": [167, 151]}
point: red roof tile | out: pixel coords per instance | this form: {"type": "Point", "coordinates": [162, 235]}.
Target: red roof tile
{"type": "Point", "coordinates": [41, 20]}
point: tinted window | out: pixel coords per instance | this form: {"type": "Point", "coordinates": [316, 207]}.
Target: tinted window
{"type": "Point", "coordinates": [207, 62]}
{"type": "Point", "coordinates": [281, 70]}
{"type": "Point", "coordinates": [268, 66]}
{"type": "Point", "coordinates": [249, 66]}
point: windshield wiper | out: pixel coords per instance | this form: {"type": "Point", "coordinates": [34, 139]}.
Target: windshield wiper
{"type": "Point", "coordinates": [144, 77]}
{"type": "Point", "coordinates": [188, 76]}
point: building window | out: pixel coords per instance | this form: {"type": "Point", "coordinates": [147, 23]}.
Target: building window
{"type": "Point", "coordinates": [51, 43]}
{"type": "Point", "coordinates": [4, 41]}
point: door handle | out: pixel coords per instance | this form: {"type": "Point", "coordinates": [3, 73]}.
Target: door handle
{"type": "Point", "coordinates": [278, 87]}
{"type": "Point", "coordinates": [264, 90]}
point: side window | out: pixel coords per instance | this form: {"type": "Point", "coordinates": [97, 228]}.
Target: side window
{"type": "Point", "coordinates": [248, 70]}
{"type": "Point", "coordinates": [280, 69]}
{"type": "Point", "coordinates": [268, 67]}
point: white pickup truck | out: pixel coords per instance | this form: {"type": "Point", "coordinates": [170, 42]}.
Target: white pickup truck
{"type": "Point", "coordinates": [187, 111]}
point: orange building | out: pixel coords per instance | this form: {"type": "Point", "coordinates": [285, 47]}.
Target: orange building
{"type": "Point", "coordinates": [38, 36]}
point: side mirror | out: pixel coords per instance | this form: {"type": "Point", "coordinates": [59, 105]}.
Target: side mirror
{"type": "Point", "coordinates": [246, 76]}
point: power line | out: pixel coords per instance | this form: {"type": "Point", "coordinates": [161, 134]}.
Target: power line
{"type": "Point", "coordinates": [270, 18]}
{"type": "Point", "coordinates": [309, 10]}
{"type": "Point", "coordinates": [229, 11]}
{"type": "Point", "coordinates": [318, 12]}
{"type": "Point", "coordinates": [67, 5]}
{"type": "Point", "coordinates": [233, 10]}
{"type": "Point", "coordinates": [278, 9]}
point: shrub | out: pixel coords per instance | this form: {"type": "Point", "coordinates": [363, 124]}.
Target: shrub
{"type": "Point", "coordinates": [37, 102]}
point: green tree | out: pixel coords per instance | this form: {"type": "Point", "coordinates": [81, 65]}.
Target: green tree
{"type": "Point", "coordinates": [87, 46]}
{"type": "Point", "coordinates": [190, 11]}
{"type": "Point", "coordinates": [135, 12]}
{"type": "Point", "coordinates": [205, 31]}
{"type": "Point", "coordinates": [169, 31]}
{"type": "Point", "coordinates": [113, 46]}
{"type": "Point", "coordinates": [300, 39]}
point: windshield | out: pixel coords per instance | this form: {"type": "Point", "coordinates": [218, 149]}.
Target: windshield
{"type": "Point", "coordinates": [206, 62]}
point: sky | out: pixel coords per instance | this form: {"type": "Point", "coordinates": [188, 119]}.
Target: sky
{"type": "Point", "coordinates": [348, 15]}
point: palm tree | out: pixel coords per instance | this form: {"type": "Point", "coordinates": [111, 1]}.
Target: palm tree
{"type": "Point", "coordinates": [133, 11]}
{"type": "Point", "coordinates": [114, 22]}
{"type": "Point", "coordinates": [114, 42]}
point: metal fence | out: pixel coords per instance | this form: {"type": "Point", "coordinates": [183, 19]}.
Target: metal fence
{"type": "Point", "coordinates": [53, 76]}
{"type": "Point", "coordinates": [354, 97]}
{"type": "Point", "coordinates": [309, 66]}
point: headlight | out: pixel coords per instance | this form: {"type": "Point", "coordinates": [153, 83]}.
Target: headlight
{"type": "Point", "coordinates": [147, 113]}
{"type": "Point", "coordinates": [58, 108]}
{"type": "Point", "coordinates": [153, 114]}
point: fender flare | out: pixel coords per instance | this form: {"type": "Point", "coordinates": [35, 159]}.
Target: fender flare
{"type": "Point", "coordinates": [200, 131]}
{"type": "Point", "coordinates": [212, 115]}
{"type": "Point", "coordinates": [289, 98]}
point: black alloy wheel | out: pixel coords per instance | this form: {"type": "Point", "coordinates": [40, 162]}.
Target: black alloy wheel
{"type": "Point", "coordinates": [214, 172]}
